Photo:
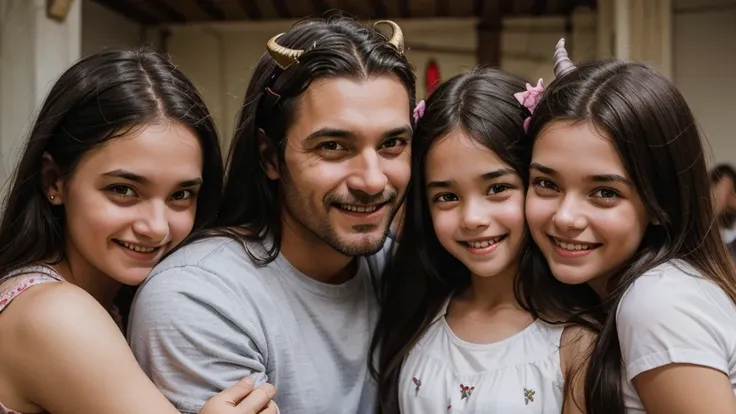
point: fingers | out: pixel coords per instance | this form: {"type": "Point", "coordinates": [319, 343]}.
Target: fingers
{"type": "Point", "coordinates": [271, 408]}
{"type": "Point", "coordinates": [259, 400]}
{"type": "Point", "coordinates": [237, 392]}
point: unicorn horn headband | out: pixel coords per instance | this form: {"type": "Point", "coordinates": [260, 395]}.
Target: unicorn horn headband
{"type": "Point", "coordinates": [533, 94]}
{"type": "Point", "coordinates": [286, 57]}
{"type": "Point", "coordinates": [563, 64]}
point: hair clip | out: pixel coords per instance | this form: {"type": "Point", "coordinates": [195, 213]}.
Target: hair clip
{"type": "Point", "coordinates": [529, 99]}
{"type": "Point", "coordinates": [269, 90]}
{"type": "Point", "coordinates": [419, 111]}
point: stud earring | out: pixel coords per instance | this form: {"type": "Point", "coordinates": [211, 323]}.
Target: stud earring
{"type": "Point", "coordinates": [52, 198]}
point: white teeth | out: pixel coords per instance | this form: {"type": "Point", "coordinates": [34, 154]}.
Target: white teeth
{"type": "Point", "coordinates": [572, 246]}
{"type": "Point", "coordinates": [137, 248]}
{"type": "Point", "coordinates": [359, 209]}
{"type": "Point", "coordinates": [484, 243]}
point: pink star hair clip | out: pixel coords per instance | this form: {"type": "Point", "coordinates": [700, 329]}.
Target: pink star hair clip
{"type": "Point", "coordinates": [529, 99]}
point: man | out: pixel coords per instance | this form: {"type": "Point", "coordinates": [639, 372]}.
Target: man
{"type": "Point", "coordinates": [317, 169]}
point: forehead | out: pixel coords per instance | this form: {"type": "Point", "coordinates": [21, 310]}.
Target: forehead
{"type": "Point", "coordinates": [457, 154]}
{"type": "Point", "coordinates": [578, 149]}
{"type": "Point", "coordinates": [164, 149]}
{"type": "Point", "coordinates": [365, 107]}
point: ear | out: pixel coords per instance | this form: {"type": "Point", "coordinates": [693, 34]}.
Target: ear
{"type": "Point", "coordinates": [52, 180]}
{"type": "Point", "coordinates": [268, 155]}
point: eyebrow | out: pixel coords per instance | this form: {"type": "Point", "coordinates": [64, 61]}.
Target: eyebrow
{"type": "Point", "coordinates": [329, 132]}
{"type": "Point", "coordinates": [130, 176]}
{"type": "Point", "coordinates": [596, 178]}
{"type": "Point", "coordinates": [491, 175]}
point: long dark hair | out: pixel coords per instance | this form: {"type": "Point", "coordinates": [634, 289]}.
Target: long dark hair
{"type": "Point", "coordinates": [336, 46]}
{"type": "Point", "coordinates": [654, 133]}
{"type": "Point", "coordinates": [423, 274]}
{"type": "Point", "coordinates": [99, 98]}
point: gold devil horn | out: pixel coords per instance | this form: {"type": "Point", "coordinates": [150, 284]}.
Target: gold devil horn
{"type": "Point", "coordinates": [397, 36]}
{"type": "Point", "coordinates": [283, 56]}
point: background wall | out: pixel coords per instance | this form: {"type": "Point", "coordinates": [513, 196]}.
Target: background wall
{"type": "Point", "coordinates": [103, 28]}
{"type": "Point", "coordinates": [704, 69]}
{"type": "Point", "coordinates": [219, 58]}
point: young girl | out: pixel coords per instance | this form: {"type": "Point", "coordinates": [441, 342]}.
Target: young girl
{"type": "Point", "coordinates": [452, 337]}
{"type": "Point", "coordinates": [619, 201]}
{"type": "Point", "coordinates": [121, 164]}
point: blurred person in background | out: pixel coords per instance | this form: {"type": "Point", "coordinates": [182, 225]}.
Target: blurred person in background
{"type": "Point", "coordinates": [723, 187]}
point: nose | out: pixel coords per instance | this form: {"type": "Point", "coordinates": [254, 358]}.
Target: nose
{"type": "Point", "coordinates": [153, 223]}
{"type": "Point", "coordinates": [474, 215]}
{"type": "Point", "coordinates": [569, 215]}
{"type": "Point", "coordinates": [368, 176]}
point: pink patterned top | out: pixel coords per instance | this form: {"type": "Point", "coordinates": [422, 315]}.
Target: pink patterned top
{"type": "Point", "coordinates": [29, 277]}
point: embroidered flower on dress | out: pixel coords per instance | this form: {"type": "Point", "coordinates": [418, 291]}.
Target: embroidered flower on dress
{"type": "Point", "coordinates": [416, 382]}
{"type": "Point", "coordinates": [465, 391]}
{"type": "Point", "coordinates": [528, 396]}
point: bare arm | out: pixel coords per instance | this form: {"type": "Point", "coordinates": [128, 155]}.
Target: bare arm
{"type": "Point", "coordinates": [66, 355]}
{"type": "Point", "coordinates": [685, 389]}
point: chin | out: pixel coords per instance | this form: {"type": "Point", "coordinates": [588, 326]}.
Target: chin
{"type": "Point", "coordinates": [571, 275]}
{"type": "Point", "coordinates": [132, 276]}
{"type": "Point", "coordinates": [361, 245]}
{"type": "Point", "coordinates": [486, 270]}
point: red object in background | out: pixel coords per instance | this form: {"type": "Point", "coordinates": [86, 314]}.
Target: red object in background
{"type": "Point", "coordinates": [432, 76]}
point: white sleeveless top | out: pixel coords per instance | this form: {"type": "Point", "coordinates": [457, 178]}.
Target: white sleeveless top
{"type": "Point", "coordinates": [520, 374]}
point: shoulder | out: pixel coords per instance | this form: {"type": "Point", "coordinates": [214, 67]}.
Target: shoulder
{"type": "Point", "coordinates": [666, 290]}
{"type": "Point", "coordinates": [216, 258]}
{"type": "Point", "coordinates": [47, 305]}
{"type": "Point", "coordinates": [53, 319]}
{"type": "Point", "coordinates": [198, 252]}
{"type": "Point", "coordinates": [576, 344]}
{"type": "Point", "coordinates": [214, 277]}
{"type": "Point", "coordinates": [671, 314]}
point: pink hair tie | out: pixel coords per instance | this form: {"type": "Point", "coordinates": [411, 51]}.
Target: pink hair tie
{"type": "Point", "coordinates": [529, 99]}
{"type": "Point", "coordinates": [419, 111]}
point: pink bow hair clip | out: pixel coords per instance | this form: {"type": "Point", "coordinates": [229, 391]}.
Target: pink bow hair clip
{"type": "Point", "coordinates": [530, 98]}
{"type": "Point", "coordinates": [419, 111]}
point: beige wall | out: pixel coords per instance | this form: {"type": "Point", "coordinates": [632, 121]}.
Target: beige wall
{"type": "Point", "coordinates": [527, 44]}
{"type": "Point", "coordinates": [34, 51]}
{"type": "Point", "coordinates": [219, 58]}
{"type": "Point", "coordinates": [704, 69]}
{"type": "Point", "coordinates": [103, 28]}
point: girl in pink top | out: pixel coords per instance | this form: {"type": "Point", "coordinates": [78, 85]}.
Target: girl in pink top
{"type": "Point", "coordinates": [121, 164]}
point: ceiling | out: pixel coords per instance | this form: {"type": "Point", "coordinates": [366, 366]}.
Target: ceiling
{"type": "Point", "coordinates": [152, 12]}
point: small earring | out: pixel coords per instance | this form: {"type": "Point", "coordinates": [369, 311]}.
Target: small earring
{"type": "Point", "coordinates": [52, 198]}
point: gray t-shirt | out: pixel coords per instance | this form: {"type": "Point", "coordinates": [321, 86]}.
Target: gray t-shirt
{"type": "Point", "coordinates": [207, 317]}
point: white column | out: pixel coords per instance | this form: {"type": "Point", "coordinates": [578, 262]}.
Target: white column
{"type": "Point", "coordinates": [643, 32]}
{"type": "Point", "coordinates": [34, 51]}
{"type": "Point", "coordinates": [605, 28]}
{"type": "Point", "coordinates": [622, 28]}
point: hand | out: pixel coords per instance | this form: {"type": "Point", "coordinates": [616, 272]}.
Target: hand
{"type": "Point", "coordinates": [241, 398]}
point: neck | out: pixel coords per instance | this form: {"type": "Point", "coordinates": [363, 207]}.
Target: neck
{"type": "Point", "coordinates": [79, 272]}
{"type": "Point", "coordinates": [599, 286]}
{"type": "Point", "coordinates": [311, 256]}
{"type": "Point", "coordinates": [494, 291]}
